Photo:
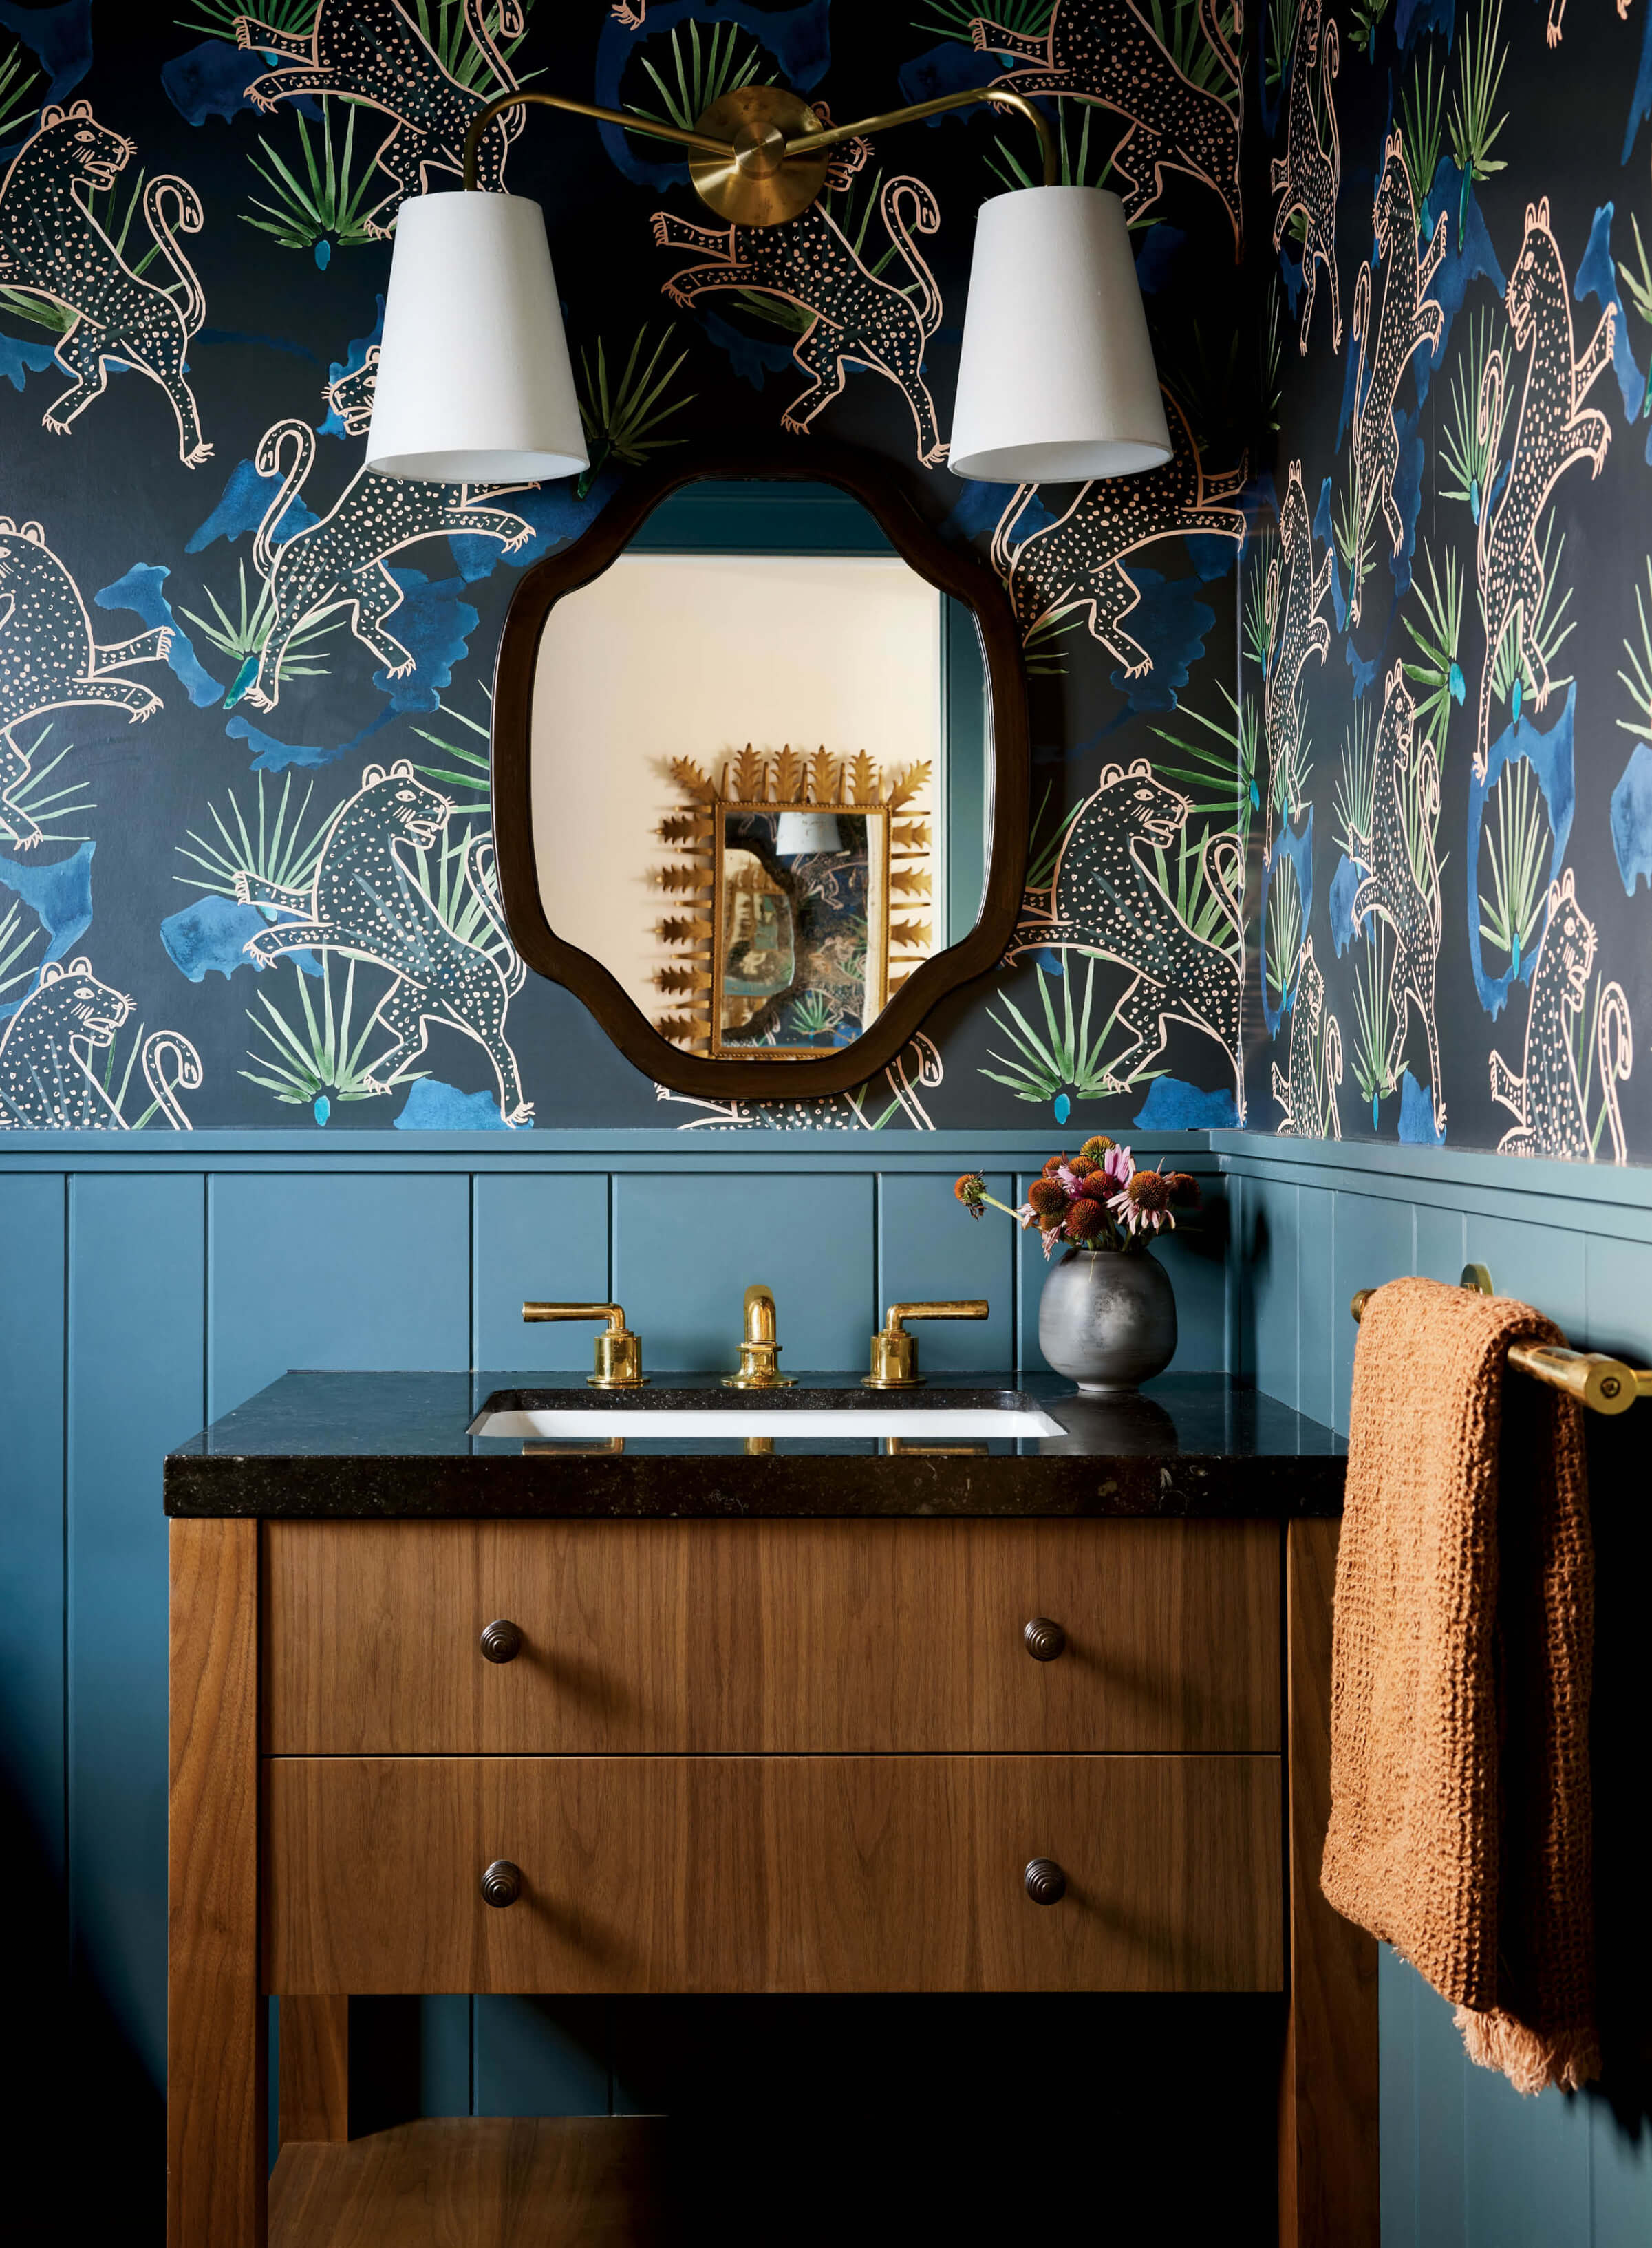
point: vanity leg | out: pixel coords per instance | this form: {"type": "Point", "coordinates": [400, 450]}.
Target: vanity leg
{"type": "Point", "coordinates": [216, 2069]}
{"type": "Point", "coordinates": [314, 2081]}
{"type": "Point", "coordinates": [1328, 2094]}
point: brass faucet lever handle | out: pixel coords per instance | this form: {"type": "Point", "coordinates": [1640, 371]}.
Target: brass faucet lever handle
{"type": "Point", "coordinates": [974, 1307]}
{"type": "Point", "coordinates": [618, 1353]}
{"type": "Point", "coordinates": [894, 1352]}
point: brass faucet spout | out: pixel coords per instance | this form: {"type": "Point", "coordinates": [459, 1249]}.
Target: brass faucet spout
{"type": "Point", "coordinates": [760, 1347]}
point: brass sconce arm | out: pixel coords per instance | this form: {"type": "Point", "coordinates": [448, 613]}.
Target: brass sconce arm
{"type": "Point", "coordinates": [521, 97]}
{"type": "Point", "coordinates": [807, 144]}
{"type": "Point", "coordinates": [765, 136]}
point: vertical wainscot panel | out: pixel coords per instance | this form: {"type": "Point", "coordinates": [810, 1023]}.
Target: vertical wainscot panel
{"type": "Point", "coordinates": [544, 1237]}
{"type": "Point", "coordinates": [134, 1390]}
{"type": "Point", "coordinates": [32, 1588]}
{"type": "Point", "coordinates": [930, 1249]}
{"type": "Point", "coordinates": [687, 1248]}
{"type": "Point", "coordinates": [335, 1270]}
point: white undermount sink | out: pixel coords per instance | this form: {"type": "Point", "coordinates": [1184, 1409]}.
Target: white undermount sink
{"type": "Point", "coordinates": [576, 1423]}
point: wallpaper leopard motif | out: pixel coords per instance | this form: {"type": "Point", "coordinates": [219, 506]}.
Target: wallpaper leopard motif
{"type": "Point", "coordinates": [1473, 755]}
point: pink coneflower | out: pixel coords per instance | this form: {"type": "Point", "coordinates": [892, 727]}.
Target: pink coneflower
{"type": "Point", "coordinates": [1142, 1205]}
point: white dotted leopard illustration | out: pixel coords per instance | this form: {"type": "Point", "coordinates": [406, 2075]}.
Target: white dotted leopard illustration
{"type": "Point", "coordinates": [1410, 318]}
{"type": "Point", "coordinates": [1105, 51]}
{"type": "Point", "coordinates": [1555, 430]}
{"type": "Point", "coordinates": [1308, 1095]}
{"type": "Point", "coordinates": [1295, 593]}
{"type": "Point", "coordinates": [50, 660]}
{"type": "Point", "coordinates": [858, 318]}
{"type": "Point", "coordinates": [52, 246]}
{"type": "Point", "coordinates": [1073, 564]}
{"type": "Point", "coordinates": [340, 562]}
{"type": "Point", "coordinates": [1103, 900]}
{"type": "Point", "coordinates": [372, 53]}
{"type": "Point", "coordinates": [46, 1080]}
{"type": "Point", "coordinates": [1401, 881]}
{"type": "Point", "coordinates": [1308, 177]}
{"type": "Point", "coordinates": [365, 902]}
{"type": "Point", "coordinates": [1547, 1098]}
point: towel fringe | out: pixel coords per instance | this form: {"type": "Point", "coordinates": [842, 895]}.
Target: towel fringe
{"type": "Point", "coordinates": [1532, 2062]}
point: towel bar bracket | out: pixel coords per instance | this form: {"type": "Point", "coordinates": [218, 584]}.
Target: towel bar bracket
{"type": "Point", "coordinates": [1605, 1384]}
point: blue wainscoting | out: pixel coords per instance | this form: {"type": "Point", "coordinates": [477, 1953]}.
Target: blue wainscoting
{"type": "Point", "coordinates": [153, 1284]}
{"type": "Point", "coordinates": [1466, 2162]}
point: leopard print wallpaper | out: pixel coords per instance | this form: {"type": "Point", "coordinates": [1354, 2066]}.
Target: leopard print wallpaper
{"type": "Point", "coordinates": [1448, 935]}
{"type": "Point", "coordinates": [233, 669]}
{"type": "Point", "coordinates": [1342, 721]}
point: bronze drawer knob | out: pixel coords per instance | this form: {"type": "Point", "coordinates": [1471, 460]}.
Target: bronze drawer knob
{"type": "Point", "coordinates": [1045, 1639]}
{"type": "Point", "coordinates": [502, 1883]}
{"type": "Point", "coordinates": [1047, 1883]}
{"type": "Point", "coordinates": [502, 1641]}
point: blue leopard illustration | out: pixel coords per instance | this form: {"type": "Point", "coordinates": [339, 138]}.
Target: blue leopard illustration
{"type": "Point", "coordinates": [1402, 879]}
{"type": "Point", "coordinates": [372, 52]}
{"type": "Point", "coordinates": [1105, 51]}
{"type": "Point", "coordinates": [860, 319]}
{"type": "Point", "coordinates": [340, 562]}
{"type": "Point", "coordinates": [364, 902]}
{"type": "Point", "coordinates": [46, 1080]}
{"type": "Point", "coordinates": [51, 246]}
{"type": "Point", "coordinates": [1555, 431]}
{"type": "Point", "coordinates": [1308, 177]}
{"type": "Point", "coordinates": [1548, 1100]}
{"type": "Point", "coordinates": [1104, 901]}
{"type": "Point", "coordinates": [1410, 318]}
{"type": "Point", "coordinates": [1073, 565]}
{"type": "Point", "coordinates": [50, 659]}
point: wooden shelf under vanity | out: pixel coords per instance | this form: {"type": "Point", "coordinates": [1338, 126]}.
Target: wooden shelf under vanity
{"type": "Point", "coordinates": [600, 2181]}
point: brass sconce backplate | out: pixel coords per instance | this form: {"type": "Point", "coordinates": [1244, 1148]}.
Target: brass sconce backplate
{"type": "Point", "coordinates": [757, 183]}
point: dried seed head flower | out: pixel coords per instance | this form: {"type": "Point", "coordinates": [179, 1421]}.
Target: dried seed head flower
{"type": "Point", "coordinates": [1096, 1146]}
{"type": "Point", "coordinates": [1184, 1190]}
{"type": "Point", "coordinates": [1047, 1198]}
{"type": "Point", "coordinates": [1084, 1220]}
{"type": "Point", "coordinates": [969, 1189]}
{"type": "Point", "coordinates": [1055, 1163]}
{"type": "Point", "coordinates": [1081, 1167]}
{"type": "Point", "coordinates": [1053, 1224]}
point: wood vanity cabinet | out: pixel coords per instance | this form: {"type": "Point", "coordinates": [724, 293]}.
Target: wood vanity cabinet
{"type": "Point", "coordinates": [815, 1755]}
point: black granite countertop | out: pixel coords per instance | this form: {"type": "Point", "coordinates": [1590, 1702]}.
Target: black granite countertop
{"type": "Point", "coordinates": [315, 1445]}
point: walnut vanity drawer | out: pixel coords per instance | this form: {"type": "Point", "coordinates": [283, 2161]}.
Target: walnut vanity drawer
{"type": "Point", "coordinates": [813, 1636]}
{"type": "Point", "coordinates": [646, 1874]}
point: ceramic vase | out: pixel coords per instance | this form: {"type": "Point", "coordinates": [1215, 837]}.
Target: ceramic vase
{"type": "Point", "coordinates": [1107, 1319]}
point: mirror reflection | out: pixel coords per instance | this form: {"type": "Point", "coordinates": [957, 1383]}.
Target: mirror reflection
{"type": "Point", "coordinates": [760, 770]}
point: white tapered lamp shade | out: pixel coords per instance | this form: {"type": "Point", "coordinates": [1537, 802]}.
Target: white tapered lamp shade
{"type": "Point", "coordinates": [1056, 379]}
{"type": "Point", "coordinates": [474, 383]}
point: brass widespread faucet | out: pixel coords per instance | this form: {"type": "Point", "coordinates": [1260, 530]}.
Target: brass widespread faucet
{"type": "Point", "coordinates": [760, 1346]}
{"type": "Point", "coordinates": [894, 1352]}
{"type": "Point", "coordinates": [618, 1353]}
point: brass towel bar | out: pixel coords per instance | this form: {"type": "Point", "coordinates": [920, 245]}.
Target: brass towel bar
{"type": "Point", "coordinates": [1606, 1385]}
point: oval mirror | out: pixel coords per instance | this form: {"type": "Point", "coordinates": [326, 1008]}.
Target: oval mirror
{"type": "Point", "coordinates": [760, 770]}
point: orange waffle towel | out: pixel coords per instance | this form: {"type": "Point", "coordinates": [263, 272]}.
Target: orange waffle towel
{"type": "Point", "coordinates": [1460, 1687]}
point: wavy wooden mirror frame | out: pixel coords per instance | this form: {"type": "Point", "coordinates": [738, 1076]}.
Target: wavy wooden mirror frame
{"type": "Point", "coordinates": [951, 571]}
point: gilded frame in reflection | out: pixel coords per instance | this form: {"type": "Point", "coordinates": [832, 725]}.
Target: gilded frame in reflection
{"type": "Point", "coordinates": [793, 946]}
